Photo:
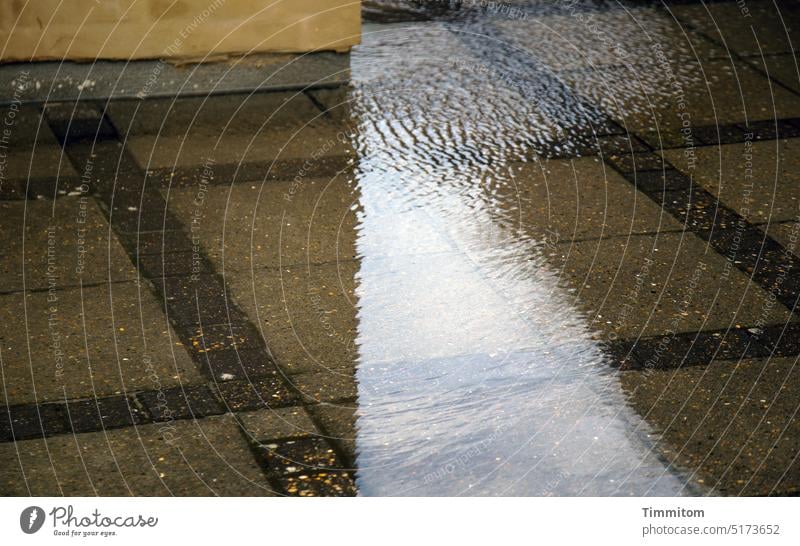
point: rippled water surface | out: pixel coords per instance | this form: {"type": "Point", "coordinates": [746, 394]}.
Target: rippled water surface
{"type": "Point", "coordinates": [477, 374]}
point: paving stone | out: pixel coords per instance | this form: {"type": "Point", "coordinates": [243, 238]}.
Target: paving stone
{"type": "Point", "coordinates": [658, 140]}
{"type": "Point", "coordinates": [306, 314]}
{"type": "Point", "coordinates": [137, 213]}
{"type": "Point", "coordinates": [102, 413]}
{"type": "Point", "coordinates": [578, 199]}
{"type": "Point", "coordinates": [158, 242]}
{"type": "Point", "coordinates": [601, 126]}
{"type": "Point", "coordinates": [108, 170]}
{"type": "Point", "coordinates": [724, 22]}
{"type": "Point", "coordinates": [621, 353]}
{"type": "Point", "coordinates": [194, 301]}
{"type": "Point", "coordinates": [770, 129]}
{"type": "Point", "coordinates": [719, 134]}
{"type": "Point", "coordinates": [265, 425]}
{"type": "Point", "coordinates": [28, 130]}
{"type": "Point", "coordinates": [339, 424]}
{"type": "Point", "coordinates": [622, 144]}
{"type": "Point", "coordinates": [781, 340]}
{"type": "Point", "coordinates": [636, 162]}
{"type": "Point", "coordinates": [732, 423]}
{"type": "Point", "coordinates": [336, 103]}
{"type": "Point", "coordinates": [256, 394]}
{"type": "Point", "coordinates": [694, 349]}
{"type": "Point", "coordinates": [745, 246]}
{"type": "Point", "coordinates": [69, 346]}
{"type": "Point", "coordinates": [137, 200]}
{"type": "Point", "coordinates": [223, 337]}
{"type": "Point", "coordinates": [696, 209]}
{"type": "Point", "coordinates": [66, 242]}
{"type": "Point", "coordinates": [273, 223]}
{"type": "Point", "coordinates": [649, 285]}
{"type": "Point", "coordinates": [713, 94]}
{"type": "Point", "coordinates": [661, 181]}
{"type": "Point", "coordinates": [173, 264]}
{"type": "Point", "coordinates": [321, 387]}
{"type": "Point", "coordinates": [28, 421]}
{"type": "Point", "coordinates": [320, 484]}
{"type": "Point", "coordinates": [787, 234]}
{"type": "Point", "coordinates": [781, 68]}
{"type": "Point", "coordinates": [763, 259]}
{"type": "Point", "coordinates": [761, 180]}
{"type": "Point", "coordinates": [55, 187]}
{"type": "Point", "coordinates": [226, 128]}
{"type": "Point", "coordinates": [12, 190]}
{"type": "Point", "coordinates": [298, 455]}
{"type": "Point", "coordinates": [46, 161]}
{"type": "Point", "coordinates": [234, 363]}
{"type": "Point", "coordinates": [185, 402]}
{"type": "Point", "coordinates": [572, 41]}
{"type": "Point", "coordinates": [185, 458]}
{"type": "Point", "coordinates": [208, 115]}
{"type": "Point", "coordinates": [82, 124]}
{"type": "Point", "coordinates": [227, 174]}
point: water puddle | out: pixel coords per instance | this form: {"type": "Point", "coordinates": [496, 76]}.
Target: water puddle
{"type": "Point", "coordinates": [477, 374]}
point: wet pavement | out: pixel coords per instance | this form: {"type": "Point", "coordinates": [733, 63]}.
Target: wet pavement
{"type": "Point", "coordinates": [533, 248]}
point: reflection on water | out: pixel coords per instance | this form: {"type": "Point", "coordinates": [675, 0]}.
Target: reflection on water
{"type": "Point", "coordinates": [476, 374]}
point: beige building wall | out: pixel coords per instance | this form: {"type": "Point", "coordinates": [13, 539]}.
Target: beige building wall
{"type": "Point", "coordinates": [142, 29]}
